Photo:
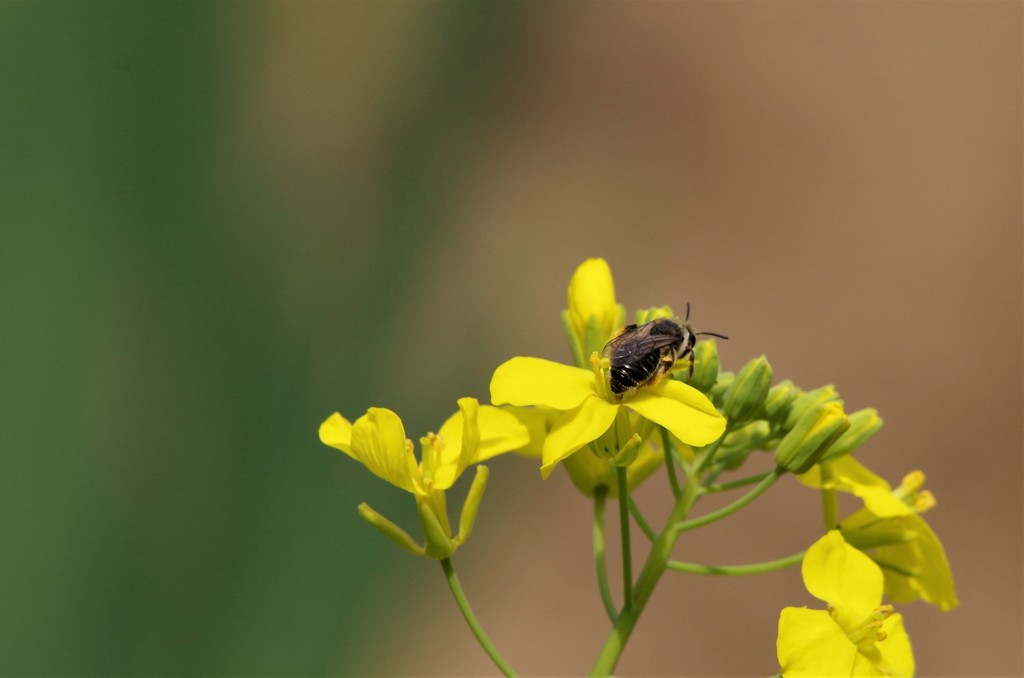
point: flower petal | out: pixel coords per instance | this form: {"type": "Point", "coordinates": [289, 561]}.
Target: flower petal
{"type": "Point", "coordinates": [473, 434]}
{"type": "Point", "coordinates": [844, 577]}
{"type": "Point", "coordinates": [680, 408]}
{"type": "Point", "coordinates": [922, 555]}
{"type": "Point", "coordinates": [537, 420]}
{"type": "Point", "coordinates": [896, 651]}
{"type": "Point", "coordinates": [535, 381]}
{"type": "Point", "coordinates": [811, 644]}
{"type": "Point", "coordinates": [572, 430]}
{"type": "Point", "coordinates": [336, 432]}
{"type": "Point", "coordinates": [378, 441]}
{"type": "Point", "coordinates": [500, 432]}
{"type": "Point", "coordinates": [460, 434]}
{"type": "Point", "coordinates": [849, 475]}
{"type": "Point", "coordinates": [865, 667]}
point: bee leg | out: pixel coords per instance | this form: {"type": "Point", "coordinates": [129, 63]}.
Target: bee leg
{"type": "Point", "coordinates": [665, 365]}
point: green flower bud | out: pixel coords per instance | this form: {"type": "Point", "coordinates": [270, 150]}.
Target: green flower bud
{"type": "Point", "coordinates": [718, 391]}
{"type": "Point", "coordinates": [744, 398]}
{"type": "Point", "coordinates": [471, 506]}
{"type": "Point", "coordinates": [646, 315]}
{"type": "Point", "coordinates": [808, 400]}
{"type": "Point", "coordinates": [811, 437]}
{"type": "Point", "coordinates": [779, 398]}
{"type": "Point", "coordinates": [590, 341]}
{"type": "Point", "coordinates": [738, 445]}
{"type": "Point", "coordinates": [390, 530]}
{"type": "Point", "coordinates": [629, 452]}
{"type": "Point", "coordinates": [439, 544]}
{"type": "Point", "coordinates": [705, 366]}
{"type": "Point", "coordinates": [863, 424]}
{"type": "Point", "coordinates": [589, 471]}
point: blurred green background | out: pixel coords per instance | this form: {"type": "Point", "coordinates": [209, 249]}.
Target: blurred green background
{"type": "Point", "coordinates": [220, 222]}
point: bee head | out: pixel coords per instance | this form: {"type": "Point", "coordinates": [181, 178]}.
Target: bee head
{"type": "Point", "coordinates": [690, 337]}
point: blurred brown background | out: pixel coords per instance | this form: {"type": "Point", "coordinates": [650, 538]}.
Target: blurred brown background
{"type": "Point", "coordinates": [835, 185]}
{"type": "Point", "coordinates": [223, 221]}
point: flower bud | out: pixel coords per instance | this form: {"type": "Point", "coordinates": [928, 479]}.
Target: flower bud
{"type": "Point", "coordinates": [646, 315]}
{"type": "Point", "coordinates": [817, 429]}
{"type": "Point", "coordinates": [805, 402]}
{"type": "Point", "coordinates": [589, 471]}
{"type": "Point", "coordinates": [779, 398]}
{"type": "Point", "coordinates": [471, 506]}
{"type": "Point", "coordinates": [390, 530]}
{"type": "Point", "coordinates": [738, 445]}
{"type": "Point", "coordinates": [863, 424]}
{"type": "Point", "coordinates": [705, 366]}
{"type": "Point", "coordinates": [629, 452]}
{"type": "Point", "coordinates": [439, 544]}
{"type": "Point", "coordinates": [746, 395]}
{"type": "Point", "coordinates": [748, 436]}
{"type": "Point", "coordinates": [718, 391]}
{"type": "Point", "coordinates": [593, 314]}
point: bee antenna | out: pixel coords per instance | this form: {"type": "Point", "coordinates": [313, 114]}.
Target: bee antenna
{"type": "Point", "coordinates": [713, 334]}
{"type": "Point", "coordinates": [687, 312]}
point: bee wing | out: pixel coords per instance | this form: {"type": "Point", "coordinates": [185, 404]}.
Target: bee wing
{"type": "Point", "coordinates": [637, 341]}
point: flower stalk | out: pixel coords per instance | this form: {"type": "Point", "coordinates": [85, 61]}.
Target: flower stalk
{"type": "Point", "coordinates": [599, 554]}
{"type": "Point", "coordinates": [474, 625]}
{"type": "Point", "coordinates": [738, 570]}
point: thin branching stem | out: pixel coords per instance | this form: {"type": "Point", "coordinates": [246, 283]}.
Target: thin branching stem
{"type": "Point", "coordinates": [600, 495]}
{"type": "Point", "coordinates": [474, 625]}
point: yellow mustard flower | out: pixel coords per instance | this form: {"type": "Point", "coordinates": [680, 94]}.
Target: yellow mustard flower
{"type": "Point", "coordinates": [578, 402]}
{"type": "Point", "coordinates": [473, 434]}
{"type": "Point", "coordinates": [890, 529]}
{"type": "Point", "coordinates": [586, 408]}
{"type": "Point", "coordinates": [856, 635]}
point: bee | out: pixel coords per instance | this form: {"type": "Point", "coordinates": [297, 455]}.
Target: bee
{"type": "Point", "coordinates": [643, 355]}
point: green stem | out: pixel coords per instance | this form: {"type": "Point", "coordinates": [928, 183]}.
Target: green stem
{"type": "Point", "coordinates": [654, 567]}
{"type": "Point", "coordinates": [829, 502]}
{"type": "Point", "coordinates": [767, 482]}
{"type": "Point", "coordinates": [733, 484]}
{"type": "Point", "coordinates": [641, 521]}
{"type": "Point", "coordinates": [670, 467]}
{"type": "Point", "coordinates": [686, 466]}
{"type": "Point", "coordinates": [627, 555]}
{"type": "Point", "coordinates": [711, 477]}
{"type": "Point", "coordinates": [599, 558]}
{"type": "Point", "coordinates": [707, 454]}
{"type": "Point", "coordinates": [474, 625]}
{"type": "Point", "coordinates": [738, 570]}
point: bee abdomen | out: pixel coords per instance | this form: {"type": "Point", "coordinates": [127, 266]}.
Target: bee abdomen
{"type": "Point", "coordinates": [634, 373]}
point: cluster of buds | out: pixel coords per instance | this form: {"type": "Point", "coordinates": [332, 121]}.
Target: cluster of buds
{"type": "Point", "coordinates": [802, 427]}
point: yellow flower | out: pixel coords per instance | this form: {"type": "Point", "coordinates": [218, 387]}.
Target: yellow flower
{"type": "Point", "coordinates": [890, 529]}
{"type": "Point", "coordinates": [473, 434]}
{"type": "Point", "coordinates": [586, 409]}
{"type": "Point", "coordinates": [856, 635]}
{"type": "Point", "coordinates": [593, 315]}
